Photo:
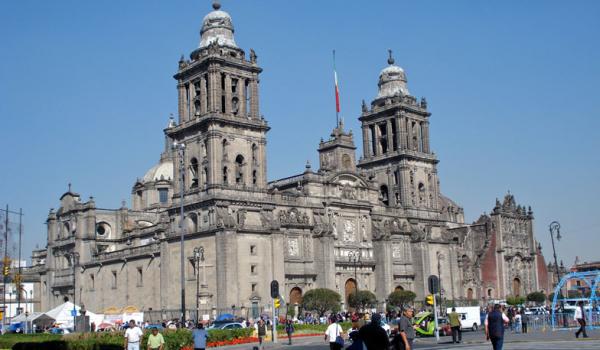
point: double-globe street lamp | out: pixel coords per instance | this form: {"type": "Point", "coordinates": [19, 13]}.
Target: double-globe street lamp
{"type": "Point", "coordinates": [354, 258]}
{"type": "Point", "coordinates": [74, 256]}
{"type": "Point", "coordinates": [198, 257]}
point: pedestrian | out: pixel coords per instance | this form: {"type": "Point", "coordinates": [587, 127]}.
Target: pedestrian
{"type": "Point", "coordinates": [261, 329]}
{"type": "Point", "coordinates": [289, 329]}
{"type": "Point", "coordinates": [518, 320]}
{"type": "Point", "coordinates": [133, 336]}
{"type": "Point", "coordinates": [406, 332]}
{"type": "Point", "coordinates": [156, 340]}
{"type": "Point", "coordinates": [494, 327]}
{"type": "Point", "coordinates": [373, 335]}
{"type": "Point", "coordinates": [580, 318]}
{"type": "Point", "coordinates": [200, 336]}
{"type": "Point", "coordinates": [454, 319]}
{"type": "Point", "coordinates": [524, 321]}
{"type": "Point", "coordinates": [333, 334]}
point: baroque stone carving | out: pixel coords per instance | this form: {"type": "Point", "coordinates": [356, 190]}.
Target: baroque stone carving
{"type": "Point", "coordinates": [349, 231]}
{"type": "Point", "coordinates": [224, 218]}
{"type": "Point", "coordinates": [293, 249]}
{"type": "Point", "coordinates": [293, 217]}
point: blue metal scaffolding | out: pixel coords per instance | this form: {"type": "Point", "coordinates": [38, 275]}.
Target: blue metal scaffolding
{"type": "Point", "coordinates": [592, 280]}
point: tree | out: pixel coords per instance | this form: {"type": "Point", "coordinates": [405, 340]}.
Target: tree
{"type": "Point", "coordinates": [321, 300]}
{"type": "Point", "coordinates": [362, 299]}
{"type": "Point", "coordinates": [515, 300]}
{"type": "Point", "coordinates": [536, 297]}
{"type": "Point", "coordinates": [401, 297]}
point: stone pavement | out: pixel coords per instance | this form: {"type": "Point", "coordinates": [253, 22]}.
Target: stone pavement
{"type": "Point", "coordinates": [548, 340]}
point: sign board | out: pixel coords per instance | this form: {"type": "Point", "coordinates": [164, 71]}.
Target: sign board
{"type": "Point", "coordinates": [434, 284]}
{"type": "Point", "coordinates": [73, 312]}
{"type": "Point", "coordinates": [205, 317]}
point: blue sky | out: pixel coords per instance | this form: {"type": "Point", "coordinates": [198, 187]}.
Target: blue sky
{"type": "Point", "coordinates": [86, 88]}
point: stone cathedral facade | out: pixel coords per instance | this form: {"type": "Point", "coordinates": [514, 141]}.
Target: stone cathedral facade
{"type": "Point", "coordinates": [386, 207]}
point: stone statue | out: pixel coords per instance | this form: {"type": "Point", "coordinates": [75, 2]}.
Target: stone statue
{"type": "Point", "coordinates": [253, 56]}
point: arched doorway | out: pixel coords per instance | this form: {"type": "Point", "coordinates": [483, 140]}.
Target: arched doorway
{"type": "Point", "coordinates": [296, 296]}
{"type": "Point", "coordinates": [470, 294]}
{"type": "Point", "coordinates": [349, 288]}
{"type": "Point", "coordinates": [516, 287]}
{"type": "Point", "coordinates": [398, 288]}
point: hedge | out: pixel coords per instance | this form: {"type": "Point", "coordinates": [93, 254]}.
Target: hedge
{"type": "Point", "coordinates": [10, 339]}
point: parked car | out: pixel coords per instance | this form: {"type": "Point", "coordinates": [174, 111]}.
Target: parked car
{"type": "Point", "coordinates": [470, 317]}
{"type": "Point", "coordinates": [444, 327]}
{"type": "Point", "coordinates": [227, 325]}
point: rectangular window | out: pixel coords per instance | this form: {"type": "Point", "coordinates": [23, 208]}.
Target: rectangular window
{"type": "Point", "coordinates": [253, 286]}
{"type": "Point", "coordinates": [140, 277]}
{"type": "Point", "coordinates": [114, 279]}
{"type": "Point", "coordinates": [253, 269]}
{"type": "Point", "coordinates": [92, 282]}
{"type": "Point", "coordinates": [163, 195]}
{"type": "Point", "coordinates": [252, 250]}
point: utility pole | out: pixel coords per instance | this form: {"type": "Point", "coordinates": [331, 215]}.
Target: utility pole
{"type": "Point", "coordinates": [18, 280]}
{"type": "Point", "coordinates": [5, 262]}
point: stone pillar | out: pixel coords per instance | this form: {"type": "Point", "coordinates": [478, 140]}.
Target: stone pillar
{"type": "Point", "coordinates": [419, 138]}
{"type": "Point", "coordinates": [403, 144]}
{"type": "Point", "coordinates": [227, 268]}
{"type": "Point", "coordinates": [405, 186]}
{"type": "Point", "coordinates": [378, 139]}
{"type": "Point", "coordinates": [204, 103]}
{"type": "Point", "coordinates": [389, 135]}
{"type": "Point", "coordinates": [227, 94]}
{"type": "Point", "coordinates": [384, 276]}
{"type": "Point", "coordinates": [214, 156]}
{"type": "Point", "coordinates": [262, 159]}
{"type": "Point", "coordinates": [366, 151]}
{"type": "Point", "coordinates": [327, 279]}
{"type": "Point", "coordinates": [241, 90]}
{"type": "Point", "coordinates": [409, 128]}
{"type": "Point", "coordinates": [181, 104]}
{"type": "Point", "coordinates": [254, 110]}
{"type": "Point", "coordinates": [425, 126]}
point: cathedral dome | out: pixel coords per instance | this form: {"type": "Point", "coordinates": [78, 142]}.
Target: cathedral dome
{"type": "Point", "coordinates": [392, 80]}
{"type": "Point", "coordinates": [217, 27]}
{"type": "Point", "coordinates": [161, 171]}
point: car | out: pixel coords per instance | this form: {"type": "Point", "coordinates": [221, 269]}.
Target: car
{"type": "Point", "coordinates": [536, 311]}
{"type": "Point", "coordinates": [444, 327]}
{"type": "Point", "coordinates": [227, 325]}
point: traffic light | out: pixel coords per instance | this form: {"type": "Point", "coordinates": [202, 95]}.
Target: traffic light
{"type": "Point", "coordinates": [6, 271]}
{"type": "Point", "coordinates": [429, 299]}
{"type": "Point", "coordinates": [274, 289]}
{"type": "Point", "coordinates": [277, 303]}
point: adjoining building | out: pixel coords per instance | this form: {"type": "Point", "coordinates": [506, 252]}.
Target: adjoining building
{"type": "Point", "coordinates": [386, 207]}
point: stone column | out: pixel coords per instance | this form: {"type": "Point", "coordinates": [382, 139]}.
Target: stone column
{"type": "Point", "coordinates": [389, 137]}
{"type": "Point", "coordinates": [419, 138]}
{"type": "Point", "coordinates": [405, 186]}
{"type": "Point", "coordinates": [227, 94]}
{"type": "Point", "coordinates": [384, 276]}
{"type": "Point", "coordinates": [241, 88]}
{"type": "Point", "coordinates": [425, 126]}
{"type": "Point", "coordinates": [254, 111]}
{"type": "Point", "coordinates": [409, 128]}
{"type": "Point", "coordinates": [378, 139]}
{"type": "Point", "coordinates": [227, 267]}
{"type": "Point", "coordinates": [366, 151]}
{"type": "Point", "coordinates": [204, 103]}
{"type": "Point", "coordinates": [181, 104]}
{"type": "Point", "coordinates": [262, 167]}
{"type": "Point", "coordinates": [403, 144]}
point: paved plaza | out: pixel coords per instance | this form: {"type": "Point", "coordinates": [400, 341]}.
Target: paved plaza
{"type": "Point", "coordinates": [548, 340]}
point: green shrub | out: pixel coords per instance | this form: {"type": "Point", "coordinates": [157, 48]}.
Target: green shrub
{"type": "Point", "coordinates": [8, 340]}
{"type": "Point", "coordinates": [229, 334]}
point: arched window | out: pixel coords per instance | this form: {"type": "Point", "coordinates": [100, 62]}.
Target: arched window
{"type": "Point", "coordinates": [349, 288]}
{"type": "Point", "coordinates": [470, 294]}
{"type": "Point", "coordinates": [516, 286]}
{"type": "Point", "coordinates": [239, 169]}
{"type": "Point", "coordinates": [254, 177]}
{"type": "Point", "coordinates": [192, 223]}
{"type": "Point", "coordinates": [384, 195]}
{"type": "Point", "coordinates": [489, 292]}
{"type": "Point", "coordinates": [194, 172]}
{"type": "Point", "coordinates": [346, 162]}
{"type": "Point", "coordinates": [224, 175]}
{"type": "Point", "coordinates": [224, 145]}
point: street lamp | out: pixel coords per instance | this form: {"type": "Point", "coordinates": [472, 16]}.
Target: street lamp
{"type": "Point", "coordinates": [440, 257]}
{"type": "Point", "coordinates": [354, 258]}
{"type": "Point", "coordinates": [198, 256]}
{"type": "Point", "coordinates": [555, 231]}
{"type": "Point", "coordinates": [75, 262]}
{"type": "Point", "coordinates": [180, 148]}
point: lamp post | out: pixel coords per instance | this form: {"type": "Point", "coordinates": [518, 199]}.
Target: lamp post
{"type": "Point", "coordinates": [555, 231]}
{"type": "Point", "coordinates": [440, 257]}
{"type": "Point", "coordinates": [180, 148]}
{"type": "Point", "coordinates": [75, 262]}
{"type": "Point", "coordinates": [354, 258]}
{"type": "Point", "coordinates": [198, 256]}
{"type": "Point", "coordinates": [9, 303]}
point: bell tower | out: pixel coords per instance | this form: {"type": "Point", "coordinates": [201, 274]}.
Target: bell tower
{"type": "Point", "coordinates": [395, 131]}
{"type": "Point", "coordinates": [219, 119]}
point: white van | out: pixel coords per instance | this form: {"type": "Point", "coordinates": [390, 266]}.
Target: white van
{"type": "Point", "coordinates": [469, 317]}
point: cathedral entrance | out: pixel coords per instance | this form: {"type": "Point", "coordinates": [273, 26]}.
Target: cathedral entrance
{"type": "Point", "coordinates": [470, 294]}
{"type": "Point", "coordinates": [296, 296]}
{"type": "Point", "coordinates": [398, 289]}
{"type": "Point", "coordinates": [516, 287]}
{"type": "Point", "coordinates": [349, 288]}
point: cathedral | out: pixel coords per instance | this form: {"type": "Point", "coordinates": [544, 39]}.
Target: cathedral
{"type": "Point", "coordinates": [379, 222]}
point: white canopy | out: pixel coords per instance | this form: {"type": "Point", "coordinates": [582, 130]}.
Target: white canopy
{"type": "Point", "coordinates": [63, 314]}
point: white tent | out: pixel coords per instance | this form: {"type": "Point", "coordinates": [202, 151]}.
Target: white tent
{"type": "Point", "coordinates": [63, 315]}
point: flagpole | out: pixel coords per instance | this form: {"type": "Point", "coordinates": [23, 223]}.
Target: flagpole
{"type": "Point", "coordinates": [337, 94]}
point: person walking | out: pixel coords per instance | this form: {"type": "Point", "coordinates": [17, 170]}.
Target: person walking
{"type": "Point", "coordinates": [524, 321]}
{"type": "Point", "coordinates": [133, 336]}
{"type": "Point", "coordinates": [200, 336]}
{"type": "Point", "coordinates": [333, 334]}
{"type": "Point", "coordinates": [494, 327]}
{"type": "Point", "coordinates": [406, 332]}
{"type": "Point", "coordinates": [289, 329]}
{"type": "Point", "coordinates": [156, 340]}
{"type": "Point", "coordinates": [454, 319]}
{"type": "Point", "coordinates": [373, 335]}
{"type": "Point", "coordinates": [580, 318]}
{"type": "Point", "coordinates": [261, 329]}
